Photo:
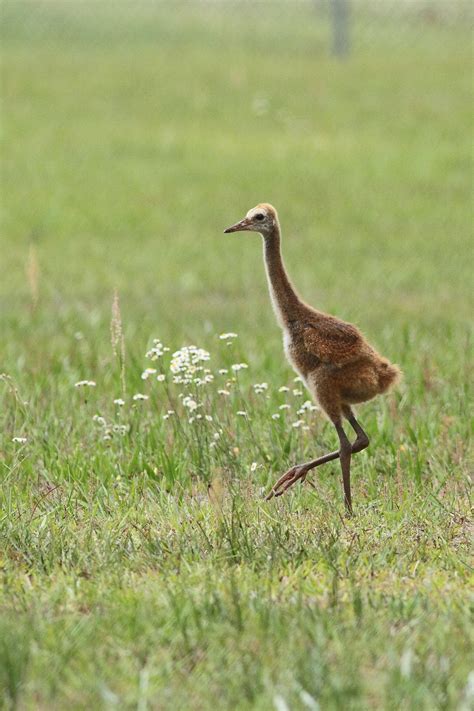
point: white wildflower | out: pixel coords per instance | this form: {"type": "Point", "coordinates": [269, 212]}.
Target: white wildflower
{"type": "Point", "coordinates": [260, 387]}
{"type": "Point", "coordinates": [100, 420]}
{"type": "Point", "coordinates": [203, 381]}
{"type": "Point", "coordinates": [140, 396]}
{"type": "Point", "coordinates": [222, 371]}
{"type": "Point", "coordinates": [85, 384]}
{"type": "Point", "coordinates": [190, 403]}
{"type": "Point", "coordinates": [297, 392]}
{"type": "Point", "coordinates": [297, 424]}
{"type": "Point", "coordinates": [284, 389]}
{"type": "Point", "coordinates": [223, 392]}
{"type": "Point", "coordinates": [19, 440]}
{"type": "Point", "coordinates": [284, 407]}
{"type": "Point", "coordinates": [216, 436]}
{"type": "Point", "coordinates": [276, 416]}
{"type": "Point", "coordinates": [241, 413]}
{"type": "Point", "coordinates": [227, 336]}
{"type": "Point", "coordinates": [239, 366]}
{"type": "Point", "coordinates": [209, 418]}
{"type": "Point", "coordinates": [298, 379]}
{"type": "Point", "coordinates": [161, 378]}
{"type": "Point", "coordinates": [253, 466]}
{"type": "Point", "coordinates": [119, 402]}
{"type": "Point", "coordinates": [157, 350]}
{"type": "Point", "coordinates": [307, 406]}
{"type": "Point", "coordinates": [106, 437]}
{"type": "Point", "coordinates": [147, 372]}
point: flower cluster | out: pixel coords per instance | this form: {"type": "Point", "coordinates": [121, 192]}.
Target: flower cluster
{"type": "Point", "coordinates": [157, 350]}
{"type": "Point", "coordinates": [307, 406]}
{"type": "Point", "coordinates": [228, 338]}
{"type": "Point", "coordinates": [186, 366]}
{"type": "Point", "coordinates": [239, 366]}
{"type": "Point", "coordinates": [300, 423]}
{"type": "Point", "coordinates": [109, 430]}
{"type": "Point", "coordinates": [219, 415]}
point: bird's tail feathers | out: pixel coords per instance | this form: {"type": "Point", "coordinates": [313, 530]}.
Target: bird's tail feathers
{"type": "Point", "coordinates": [389, 375]}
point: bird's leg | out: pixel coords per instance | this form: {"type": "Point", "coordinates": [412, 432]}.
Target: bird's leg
{"type": "Point", "coordinates": [345, 453]}
{"type": "Point", "coordinates": [300, 471]}
{"type": "Point", "coordinates": [297, 473]}
{"type": "Point", "coordinates": [362, 440]}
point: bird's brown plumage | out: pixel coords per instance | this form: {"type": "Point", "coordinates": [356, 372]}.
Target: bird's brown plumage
{"type": "Point", "coordinates": [337, 364]}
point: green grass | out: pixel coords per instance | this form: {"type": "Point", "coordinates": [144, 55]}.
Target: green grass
{"type": "Point", "coordinates": [140, 566]}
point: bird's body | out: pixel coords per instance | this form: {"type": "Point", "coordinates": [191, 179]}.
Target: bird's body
{"type": "Point", "coordinates": [336, 363]}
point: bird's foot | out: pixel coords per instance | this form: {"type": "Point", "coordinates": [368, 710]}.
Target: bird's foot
{"type": "Point", "coordinates": [293, 475]}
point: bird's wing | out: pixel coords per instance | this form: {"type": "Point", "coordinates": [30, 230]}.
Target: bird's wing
{"type": "Point", "coordinates": [332, 341]}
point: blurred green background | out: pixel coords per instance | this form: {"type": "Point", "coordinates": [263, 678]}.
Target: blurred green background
{"type": "Point", "coordinates": [134, 132]}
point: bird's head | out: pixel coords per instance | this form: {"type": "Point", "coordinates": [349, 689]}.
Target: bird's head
{"type": "Point", "coordinates": [263, 218]}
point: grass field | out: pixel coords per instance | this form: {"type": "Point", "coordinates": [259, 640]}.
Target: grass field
{"type": "Point", "coordinates": [140, 566]}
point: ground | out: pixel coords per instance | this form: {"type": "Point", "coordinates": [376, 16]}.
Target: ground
{"type": "Point", "coordinates": [140, 565]}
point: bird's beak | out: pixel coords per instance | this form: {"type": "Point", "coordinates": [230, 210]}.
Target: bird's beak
{"type": "Point", "coordinates": [241, 226]}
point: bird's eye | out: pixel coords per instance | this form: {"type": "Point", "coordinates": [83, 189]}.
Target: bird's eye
{"type": "Point", "coordinates": [260, 216]}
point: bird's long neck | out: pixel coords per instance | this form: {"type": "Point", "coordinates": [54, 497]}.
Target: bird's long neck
{"type": "Point", "coordinates": [286, 301]}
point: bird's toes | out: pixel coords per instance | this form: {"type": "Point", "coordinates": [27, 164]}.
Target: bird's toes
{"type": "Point", "coordinates": [298, 473]}
{"type": "Point", "coordinates": [304, 472]}
{"type": "Point", "coordinates": [287, 480]}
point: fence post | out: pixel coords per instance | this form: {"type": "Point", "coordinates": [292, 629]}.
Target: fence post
{"type": "Point", "coordinates": [340, 24]}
